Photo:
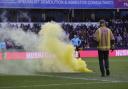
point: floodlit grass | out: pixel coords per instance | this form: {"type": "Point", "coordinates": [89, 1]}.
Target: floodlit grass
{"type": "Point", "coordinates": [117, 80]}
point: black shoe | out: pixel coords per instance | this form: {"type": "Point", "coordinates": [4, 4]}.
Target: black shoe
{"type": "Point", "coordinates": [102, 75]}
{"type": "Point", "coordinates": [107, 72]}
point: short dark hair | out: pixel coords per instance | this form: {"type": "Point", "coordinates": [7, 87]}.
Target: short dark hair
{"type": "Point", "coordinates": [102, 22]}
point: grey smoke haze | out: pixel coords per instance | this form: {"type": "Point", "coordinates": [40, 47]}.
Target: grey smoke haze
{"type": "Point", "coordinates": [30, 42]}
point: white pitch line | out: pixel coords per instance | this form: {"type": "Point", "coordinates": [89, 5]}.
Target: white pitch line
{"type": "Point", "coordinates": [67, 77]}
{"type": "Point", "coordinates": [93, 79]}
{"type": "Point", "coordinates": [45, 85]}
{"type": "Point", "coordinates": [102, 81]}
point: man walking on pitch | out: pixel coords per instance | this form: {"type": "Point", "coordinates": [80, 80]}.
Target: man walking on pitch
{"type": "Point", "coordinates": [105, 40]}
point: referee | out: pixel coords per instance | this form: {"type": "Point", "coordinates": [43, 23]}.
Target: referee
{"type": "Point", "coordinates": [105, 41]}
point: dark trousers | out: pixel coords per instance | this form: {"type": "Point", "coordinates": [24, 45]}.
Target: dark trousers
{"type": "Point", "coordinates": [78, 49]}
{"type": "Point", "coordinates": [103, 61]}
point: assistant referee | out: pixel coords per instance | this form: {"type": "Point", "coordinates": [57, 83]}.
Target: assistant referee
{"type": "Point", "coordinates": [105, 41]}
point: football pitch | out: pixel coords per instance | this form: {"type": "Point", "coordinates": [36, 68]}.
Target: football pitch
{"type": "Point", "coordinates": [117, 80]}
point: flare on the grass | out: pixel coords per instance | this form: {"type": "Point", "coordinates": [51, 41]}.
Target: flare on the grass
{"type": "Point", "coordinates": [52, 41]}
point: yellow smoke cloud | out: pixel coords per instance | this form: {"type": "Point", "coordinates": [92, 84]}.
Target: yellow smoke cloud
{"type": "Point", "coordinates": [52, 36]}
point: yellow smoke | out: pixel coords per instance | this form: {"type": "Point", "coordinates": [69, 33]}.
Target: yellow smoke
{"type": "Point", "coordinates": [52, 36]}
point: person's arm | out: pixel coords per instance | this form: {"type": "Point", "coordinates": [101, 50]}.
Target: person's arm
{"type": "Point", "coordinates": [95, 37]}
{"type": "Point", "coordinates": [72, 41]}
{"type": "Point", "coordinates": [79, 42]}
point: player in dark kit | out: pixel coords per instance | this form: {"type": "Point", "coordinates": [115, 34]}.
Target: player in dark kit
{"type": "Point", "coordinates": [105, 41]}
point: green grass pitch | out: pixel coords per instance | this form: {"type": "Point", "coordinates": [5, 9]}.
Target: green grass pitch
{"type": "Point", "coordinates": [117, 80]}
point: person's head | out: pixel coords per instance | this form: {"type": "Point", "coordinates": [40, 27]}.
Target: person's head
{"type": "Point", "coordinates": [75, 36]}
{"type": "Point", "coordinates": [102, 23]}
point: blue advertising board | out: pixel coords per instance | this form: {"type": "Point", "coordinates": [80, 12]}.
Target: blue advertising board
{"type": "Point", "coordinates": [57, 4]}
{"type": "Point", "coordinates": [64, 4]}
